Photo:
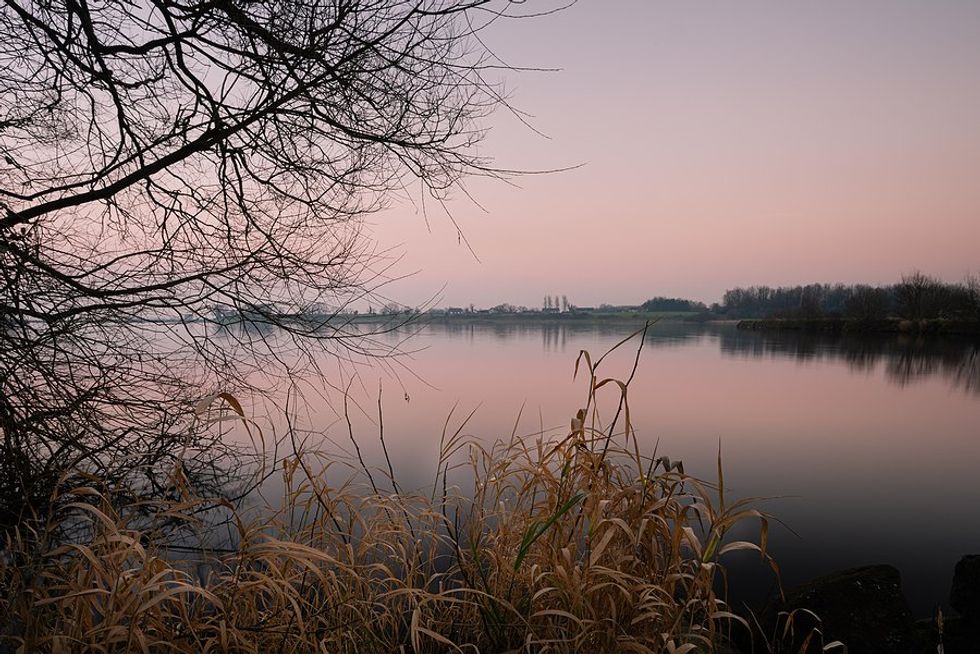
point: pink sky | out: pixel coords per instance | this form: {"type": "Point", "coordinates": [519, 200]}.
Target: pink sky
{"type": "Point", "coordinates": [723, 144]}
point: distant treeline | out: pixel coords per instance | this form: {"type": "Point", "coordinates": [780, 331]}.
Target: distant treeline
{"type": "Point", "coordinates": [673, 304]}
{"type": "Point", "coordinates": [915, 297]}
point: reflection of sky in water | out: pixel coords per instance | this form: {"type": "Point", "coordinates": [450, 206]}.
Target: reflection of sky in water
{"type": "Point", "coordinates": [871, 444]}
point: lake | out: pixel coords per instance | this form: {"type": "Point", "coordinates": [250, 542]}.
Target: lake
{"type": "Point", "coordinates": [869, 449]}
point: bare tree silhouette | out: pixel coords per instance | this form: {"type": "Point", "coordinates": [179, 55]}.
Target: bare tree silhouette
{"type": "Point", "coordinates": [170, 163]}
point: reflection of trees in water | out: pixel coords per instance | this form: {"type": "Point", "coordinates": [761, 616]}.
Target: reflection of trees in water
{"type": "Point", "coordinates": [905, 358]}
{"type": "Point", "coordinates": [961, 367]}
{"type": "Point", "coordinates": [967, 374]}
{"type": "Point", "coordinates": [554, 338]}
{"type": "Point", "coordinates": [555, 334]}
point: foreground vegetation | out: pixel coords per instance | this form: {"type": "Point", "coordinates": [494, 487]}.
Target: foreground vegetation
{"type": "Point", "coordinates": [571, 542]}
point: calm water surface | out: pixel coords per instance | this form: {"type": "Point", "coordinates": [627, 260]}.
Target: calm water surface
{"type": "Point", "coordinates": [870, 449]}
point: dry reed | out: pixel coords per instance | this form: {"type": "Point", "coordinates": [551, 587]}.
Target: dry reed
{"type": "Point", "coordinates": [577, 542]}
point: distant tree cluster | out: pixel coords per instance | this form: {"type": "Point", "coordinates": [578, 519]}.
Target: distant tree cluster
{"type": "Point", "coordinates": [810, 301]}
{"type": "Point", "coordinates": [673, 304]}
{"type": "Point", "coordinates": [920, 296]}
{"type": "Point", "coordinates": [507, 307]}
{"type": "Point", "coordinates": [916, 297]}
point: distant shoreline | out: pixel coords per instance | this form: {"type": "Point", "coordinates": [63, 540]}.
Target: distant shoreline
{"type": "Point", "coordinates": [631, 317]}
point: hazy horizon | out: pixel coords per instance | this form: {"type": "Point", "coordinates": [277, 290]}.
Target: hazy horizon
{"type": "Point", "coordinates": [719, 146]}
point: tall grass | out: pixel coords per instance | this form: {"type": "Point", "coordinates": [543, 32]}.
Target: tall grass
{"type": "Point", "coordinates": [570, 542]}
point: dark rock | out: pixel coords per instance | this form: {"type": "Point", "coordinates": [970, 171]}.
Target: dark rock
{"type": "Point", "coordinates": [863, 607]}
{"type": "Point", "coordinates": [965, 595]}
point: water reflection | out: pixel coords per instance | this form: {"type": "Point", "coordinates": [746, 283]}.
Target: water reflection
{"type": "Point", "coordinates": [556, 334]}
{"type": "Point", "coordinates": [904, 359]}
{"type": "Point", "coordinates": [835, 426]}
